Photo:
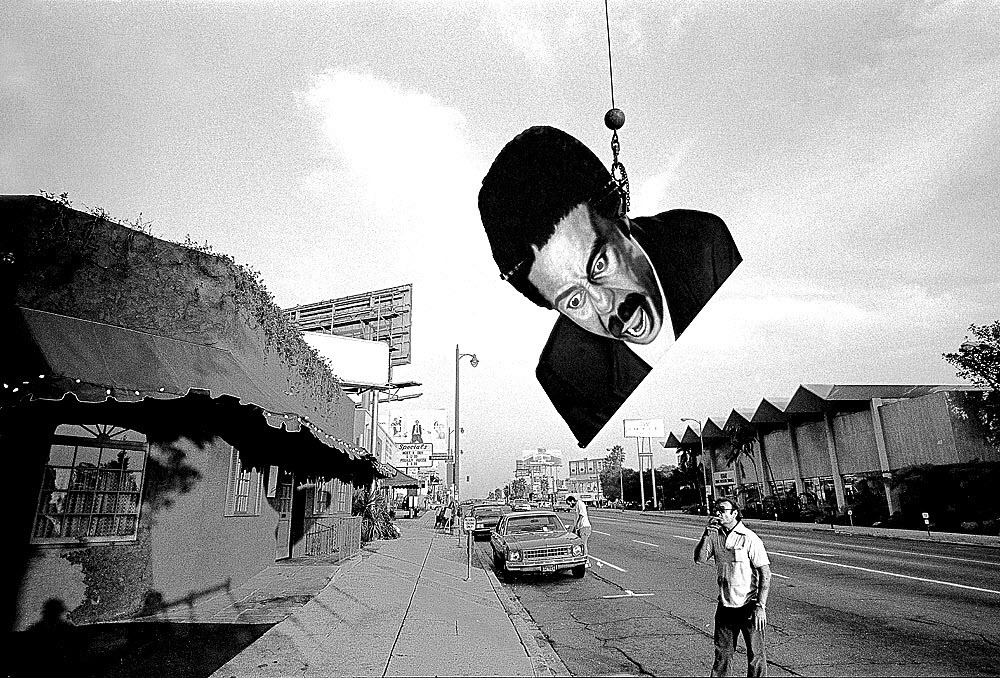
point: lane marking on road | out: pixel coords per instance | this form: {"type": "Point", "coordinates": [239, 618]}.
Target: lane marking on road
{"type": "Point", "coordinates": [602, 563]}
{"type": "Point", "coordinates": [889, 574]}
{"type": "Point", "coordinates": [876, 548]}
{"type": "Point", "coordinates": [854, 546]}
{"type": "Point", "coordinates": [628, 594]}
{"type": "Point", "coordinates": [606, 534]}
{"type": "Point", "coordinates": [775, 574]}
{"type": "Point", "coordinates": [646, 543]}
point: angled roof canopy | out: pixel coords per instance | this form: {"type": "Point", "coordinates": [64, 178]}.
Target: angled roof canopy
{"type": "Point", "coordinates": [739, 417]}
{"type": "Point", "coordinates": [60, 358]}
{"type": "Point", "coordinates": [671, 441]}
{"type": "Point", "coordinates": [770, 411]}
{"type": "Point", "coordinates": [831, 398]}
{"type": "Point", "coordinates": [690, 437]}
{"type": "Point", "coordinates": [399, 479]}
{"type": "Point", "coordinates": [713, 430]}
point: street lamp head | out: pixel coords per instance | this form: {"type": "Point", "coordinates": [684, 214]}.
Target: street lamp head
{"type": "Point", "coordinates": [475, 361]}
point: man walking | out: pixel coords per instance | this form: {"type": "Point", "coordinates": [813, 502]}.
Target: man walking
{"type": "Point", "coordinates": [744, 575]}
{"type": "Point", "coordinates": [582, 524]}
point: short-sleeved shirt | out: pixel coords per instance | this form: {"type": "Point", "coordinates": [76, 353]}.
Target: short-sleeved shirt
{"type": "Point", "coordinates": [582, 519]}
{"type": "Point", "coordinates": [737, 557]}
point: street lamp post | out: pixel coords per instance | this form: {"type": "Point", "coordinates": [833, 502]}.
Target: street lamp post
{"type": "Point", "coordinates": [473, 360]}
{"type": "Point", "coordinates": [701, 444]}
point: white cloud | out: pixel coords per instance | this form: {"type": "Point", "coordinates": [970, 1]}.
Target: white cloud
{"type": "Point", "coordinates": [404, 147]}
{"type": "Point", "coordinates": [650, 196]}
{"type": "Point", "coordinates": [521, 31]}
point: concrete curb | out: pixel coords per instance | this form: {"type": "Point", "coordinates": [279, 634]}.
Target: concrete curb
{"type": "Point", "coordinates": [544, 660]}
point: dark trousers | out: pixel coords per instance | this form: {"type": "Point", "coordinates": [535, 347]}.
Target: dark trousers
{"type": "Point", "coordinates": [729, 623]}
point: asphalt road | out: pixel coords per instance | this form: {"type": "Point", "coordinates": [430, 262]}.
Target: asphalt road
{"type": "Point", "coordinates": [839, 605]}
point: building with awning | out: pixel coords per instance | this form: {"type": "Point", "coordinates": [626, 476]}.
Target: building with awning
{"type": "Point", "coordinates": [396, 479]}
{"type": "Point", "coordinates": [171, 434]}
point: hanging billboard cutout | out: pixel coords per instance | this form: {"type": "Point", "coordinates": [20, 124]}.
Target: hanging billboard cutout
{"type": "Point", "coordinates": [624, 288]}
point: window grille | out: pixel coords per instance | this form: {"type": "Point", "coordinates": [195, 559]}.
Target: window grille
{"type": "Point", "coordinates": [244, 489]}
{"type": "Point", "coordinates": [91, 488]}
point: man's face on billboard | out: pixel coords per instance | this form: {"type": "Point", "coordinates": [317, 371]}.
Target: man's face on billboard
{"type": "Point", "coordinates": [596, 276]}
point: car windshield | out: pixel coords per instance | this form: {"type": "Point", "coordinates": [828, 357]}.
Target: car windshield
{"type": "Point", "coordinates": [529, 524]}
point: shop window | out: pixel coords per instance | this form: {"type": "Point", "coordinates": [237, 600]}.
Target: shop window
{"type": "Point", "coordinates": [346, 492]}
{"type": "Point", "coordinates": [324, 499]}
{"type": "Point", "coordinates": [91, 488]}
{"type": "Point", "coordinates": [244, 489]}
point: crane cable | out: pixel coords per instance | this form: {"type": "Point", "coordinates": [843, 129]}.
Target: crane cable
{"type": "Point", "coordinates": [614, 120]}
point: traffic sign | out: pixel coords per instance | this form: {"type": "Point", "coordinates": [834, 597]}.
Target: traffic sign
{"type": "Point", "coordinates": [469, 523]}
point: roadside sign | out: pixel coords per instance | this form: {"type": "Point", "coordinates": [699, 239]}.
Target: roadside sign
{"type": "Point", "coordinates": [643, 428]}
{"type": "Point", "coordinates": [724, 477]}
{"type": "Point", "coordinates": [469, 523]}
{"type": "Point", "coordinates": [415, 454]}
{"type": "Point", "coordinates": [850, 512]}
{"type": "Point", "coordinates": [925, 516]}
{"type": "Point", "coordinates": [442, 457]}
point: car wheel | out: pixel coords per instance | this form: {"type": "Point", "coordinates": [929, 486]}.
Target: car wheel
{"type": "Point", "coordinates": [579, 571]}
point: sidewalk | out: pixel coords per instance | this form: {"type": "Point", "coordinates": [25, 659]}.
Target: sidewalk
{"type": "Point", "coordinates": [403, 607]}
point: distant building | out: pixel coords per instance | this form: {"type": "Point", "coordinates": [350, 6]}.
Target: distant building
{"type": "Point", "coordinates": [824, 441]}
{"type": "Point", "coordinates": [585, 478]}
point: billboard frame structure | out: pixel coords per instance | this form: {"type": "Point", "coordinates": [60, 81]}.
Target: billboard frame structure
{"type": "Point", "coordinates": [381, 315]}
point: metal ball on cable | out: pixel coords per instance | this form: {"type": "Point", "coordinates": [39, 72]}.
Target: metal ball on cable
{"type": "Point", "coordinates": [614, 119]}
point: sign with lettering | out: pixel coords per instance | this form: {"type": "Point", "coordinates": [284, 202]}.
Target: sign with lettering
{"type": "Point", "coordinates": [644, 428]}
{"type": "Point", "coordinates": [415, 454]}
{"type": "Point", "coordinates": [724, 477]}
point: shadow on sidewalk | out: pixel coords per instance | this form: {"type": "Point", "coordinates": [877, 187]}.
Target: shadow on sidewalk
{"type": "Point", "coordinates": [149, 649]}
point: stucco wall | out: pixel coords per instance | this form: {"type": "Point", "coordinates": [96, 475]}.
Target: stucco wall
{"type": "Point", "coordinates": [194, 545]}
{"type": "Point", "coordinates": [855, 439]}
{"type": "Point", "coordinates": [778, 452]}
{"type": "Point", "coordinates": [185, 545]}
{"type": "Point", "coordinates": [919, 431]}
{"type": "Point", "coordinates": [813, 453]}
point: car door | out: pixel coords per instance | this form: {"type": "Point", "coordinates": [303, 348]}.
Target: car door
{"type": "Point", "coordinates": [496, 536]}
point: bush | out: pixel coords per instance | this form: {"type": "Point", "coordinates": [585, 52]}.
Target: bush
{"type": "Point", "coordinates": [376, 521]}
{"type": "Point", "coordinates": [957, 496]}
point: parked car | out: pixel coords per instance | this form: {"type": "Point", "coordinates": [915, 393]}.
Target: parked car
{"type": "Point", "coordinates": [536, 541]}
{"type": "Point", "coordinates": [521, 506]}
{"type": "Point", "coordinates": [487, 516]}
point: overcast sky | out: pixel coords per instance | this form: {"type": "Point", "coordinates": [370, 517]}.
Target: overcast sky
{"type": "Point", "coordinates": [851, 147]}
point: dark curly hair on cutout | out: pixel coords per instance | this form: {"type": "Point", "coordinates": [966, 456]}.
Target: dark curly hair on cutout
{"type": "Point", "coordinates": [534, 182]}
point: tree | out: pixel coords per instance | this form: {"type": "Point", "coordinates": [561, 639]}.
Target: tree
{"type": "Point", "coordinates": [978, 361]}
{"type": "Point", "coordinates": [519, 488]}
{"type": "Point", "coordinates": [616, 458]}
{"type": "Point", "coordinates": [611, 484]}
